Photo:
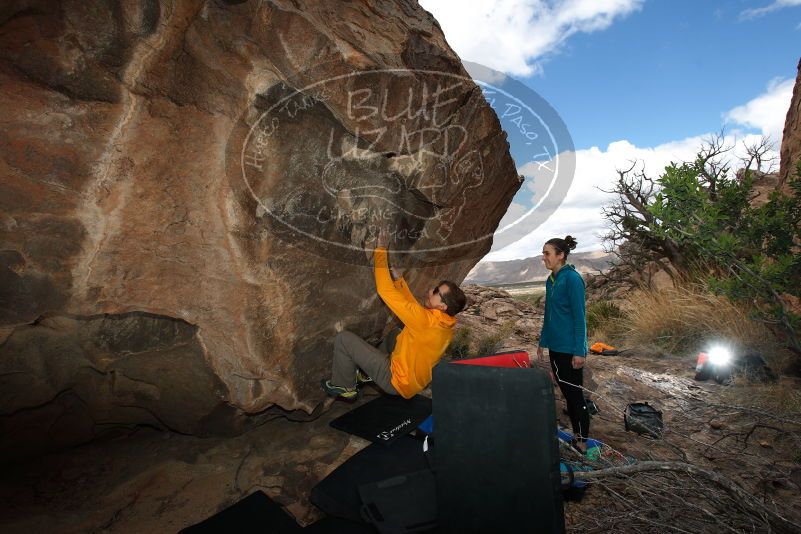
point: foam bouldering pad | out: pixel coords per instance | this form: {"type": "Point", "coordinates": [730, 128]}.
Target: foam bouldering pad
{"type": "Point", "coordinates": [258, 513]}
{"type": "Point", "coordinates": [335, 525]}
{"type": "Point", "coordinates": [338, 494]}
{"type": "Point", "coordinates": [385, 419]}
{"type": "Point", "coordinates": [405, 503]}
{"type": "Point", "coordinates": [497, 456]}
{"type": "Point", "coordinates": [255, 513]}
{"type": "Point", "coordinates": [513, 359]}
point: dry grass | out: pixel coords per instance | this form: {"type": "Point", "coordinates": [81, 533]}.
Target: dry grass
{"type": "Point", "coordinates": [690, 317]}
{"type": "Point", "coordinates": [605, 322]}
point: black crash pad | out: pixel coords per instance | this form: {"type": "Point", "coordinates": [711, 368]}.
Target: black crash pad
{"type": "Point", "coordinates": [255, 513]}
{"type": "Point", "coordinates": [258, 513]}
{"type": "Point", "coordinates": [335, 525]}
{"type": "Point", "coordinates": [338, 494]}
{"type": "Point", "coordinates": [385, 419]}
{"type": "Point", "coordinates": [497, 457]}
{"type": "Point", "coordinates": [406, 503]}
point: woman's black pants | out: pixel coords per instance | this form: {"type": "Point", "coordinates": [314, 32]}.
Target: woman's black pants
{"type": "Point", "coordinates": [566, 376]}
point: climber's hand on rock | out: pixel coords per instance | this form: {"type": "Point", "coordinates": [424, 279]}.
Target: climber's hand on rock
{"type": "Point", "coordinates": [382, 241]}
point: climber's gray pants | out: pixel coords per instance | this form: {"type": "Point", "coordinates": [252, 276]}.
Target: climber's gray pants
{"type": "Point", "coordinates": [351, 351]}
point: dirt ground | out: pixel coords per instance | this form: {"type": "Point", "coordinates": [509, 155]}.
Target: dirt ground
{"type": "Point", "coordinates": [726, 430]}
{"type": "Point", "coordinates": [144, 479]}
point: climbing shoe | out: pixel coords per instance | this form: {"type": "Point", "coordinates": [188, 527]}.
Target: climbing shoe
{"type": "Point", "coordinates": [336, 391]}
{"type": "Point", "coordinates": [361, 377]}
{"type": "Point", "coordinates": [574, 444]}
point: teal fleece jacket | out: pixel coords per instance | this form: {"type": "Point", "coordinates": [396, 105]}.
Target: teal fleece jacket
{"type": "Point", "coordinates": [565, 327]}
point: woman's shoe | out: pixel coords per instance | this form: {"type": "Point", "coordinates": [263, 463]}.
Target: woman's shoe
{"type": "Point", "coordinates": [579, 446]}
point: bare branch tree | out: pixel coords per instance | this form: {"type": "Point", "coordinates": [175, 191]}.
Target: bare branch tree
{"type": "Point", "coordinates": [757, 154]}
{"type": "Point", "coordinates": [631, 222]}
{"type": "Point", "coordinates": [712, 162]}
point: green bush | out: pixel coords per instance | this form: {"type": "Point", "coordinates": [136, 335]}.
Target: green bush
{"type": "Point", "coordinates": [459, 346]}
{"type": "Point", "coordinates": [751, 251]}
{"type": "Point", "coordinates": [603, 316]}
{"type": "Point", "coordinates": [489, 345]}
{"type": "Point", "coordinates": [492, 343]}
{"type": "Point", "coordinates": [700, 216]}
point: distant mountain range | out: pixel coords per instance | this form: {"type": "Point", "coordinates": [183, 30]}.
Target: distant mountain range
{"type": "Point", "coordinates": [532, 269]}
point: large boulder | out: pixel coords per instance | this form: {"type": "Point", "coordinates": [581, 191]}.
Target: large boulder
{"type": "Point", "coordinates": [189, 194]}
{"type": "Point", "coordinates": [791, 139]}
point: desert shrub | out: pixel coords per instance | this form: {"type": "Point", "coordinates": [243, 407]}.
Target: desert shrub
{"type": "Point", "coordinates": [700, 216]}
{"type": "Point", "coordinates": [604, 320]}
{"type": "Point", "coordinates": [492, 343]}
{"type": "Point", "coordinates": [489, 344]}
{"type": "Point", "coordinates": [459, 346]}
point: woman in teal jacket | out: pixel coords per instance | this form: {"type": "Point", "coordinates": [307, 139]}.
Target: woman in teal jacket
{"type": "Point", "coordinates": [564, 332]}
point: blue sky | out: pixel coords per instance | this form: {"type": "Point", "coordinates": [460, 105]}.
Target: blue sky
{"type": "Point", "coordinates": [634, 80]}
{"type": "Point", "coordinates": [667, 71]}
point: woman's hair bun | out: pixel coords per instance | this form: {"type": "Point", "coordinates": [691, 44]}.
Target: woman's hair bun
{"type": "Point", "coordinates": [571, 242]}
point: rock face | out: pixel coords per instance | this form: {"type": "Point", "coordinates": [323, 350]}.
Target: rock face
{"type": "Point", "coordinates": [791, 139]}
{"type": "Point", "coordinates": [188, 191]}
{"type": "Point", "coordinates": [493, 315]}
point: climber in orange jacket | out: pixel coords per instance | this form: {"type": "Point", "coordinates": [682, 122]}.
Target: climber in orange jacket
{"type": "Point", "coordinates": [405, 368]}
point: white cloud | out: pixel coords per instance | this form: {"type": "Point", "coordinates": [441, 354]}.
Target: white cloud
{"type": "Point", "coordinates": [776, 5]}
{"type": "Point", "coordinates": [580, 213]}
{"type": "Point", "coordinates": [513, 36]}
{"type": "Point", "coordinates": [768, 111]}
{"type": "Point", "coordinates": [508, 227]}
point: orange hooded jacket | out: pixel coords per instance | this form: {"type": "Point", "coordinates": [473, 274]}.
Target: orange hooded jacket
{"type": "Point", "coordinates": [424, 338]}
